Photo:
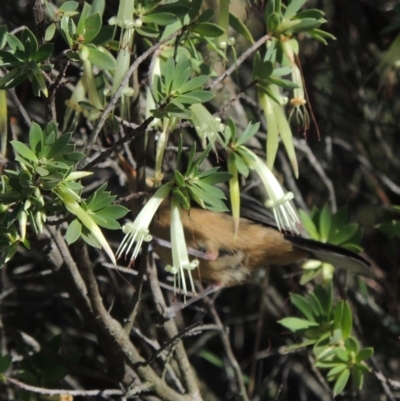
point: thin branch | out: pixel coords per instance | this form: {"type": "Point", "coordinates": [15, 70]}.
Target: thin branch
{"type": "Point", "coordinates": [302, 145]}
{"type": "Point", "coordinates": [20, 107]}
{"type": "Point", "coordinates": [240, 60]}
{"type": "Point", "coordinates": [139, 285]}
{"type": "Point", "coordinates": [257, 340]}
{"type": "Point", "coordinates": [115, 97]}
{"type": "Point", "coordinates": [76, 393]}
{"type": "Point", "coordinates": [188, 375]}
{"type": "Point", "coordinates": [110, 333]}
{"type": "Point", "coordinates": [104, 155]}
{"type": "Point", "coordinates": [228, 350]}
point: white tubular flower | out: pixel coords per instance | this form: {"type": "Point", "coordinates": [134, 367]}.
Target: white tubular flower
{"type": "Point", "coordinates": [285, 215]}
{"type": "Point", "coordinates": [138, 231]}
{"type": "Point", "coordinates": [180, 257]}
{"type": "Point", "coordinates": [207, 127]}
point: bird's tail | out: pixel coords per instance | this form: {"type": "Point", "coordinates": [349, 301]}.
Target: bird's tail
{"type": "Point", "coordinates": [336, 255]}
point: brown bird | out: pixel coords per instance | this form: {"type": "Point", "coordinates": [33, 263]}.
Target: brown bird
{"type": "Point", "coordinates": [227, 261]}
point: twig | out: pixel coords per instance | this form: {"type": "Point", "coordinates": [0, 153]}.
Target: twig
{"type": "Point", "coordinates": [139, 285]}
{"type": "Point", "coordinates": [171, 330]}
{"type": "Point", "coordinates": [291, 182]}
{"type": "Point", "coordinates": [365, 163]}
{"type": "Point", "coordinates": [20, 107]}
{"type": "Point", "coordinates": [115, 97]}
{"type": "Point", "coordinates": [228, 349]}
{"type": "Point", "coordinates": [76, 393]}
{"type": "Point", "coordinates": [257, 340]}
{"type": "Point", "coordinates": [112, 336]}
{"type": "Point", "coordinates": [240, 60]}
{"type": "Point", "coordinates": [302, 145]}
{"type": "Point", "coordinates": [138, 131]}
{"type": "Point", "coordinates": [228, 105]}
{"type": "Point", "coordinates": [38, 14]}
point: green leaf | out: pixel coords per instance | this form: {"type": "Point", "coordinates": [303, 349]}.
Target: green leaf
{"type": "Point", "coordinates": [391, 229]}
{"type": "Point", "coordinates": [159, 18]}
{"type": "Point", "coordinates": [30, 43]}
{"type": "Point", "coordinates": [347, 320]}
{"type": "Point", "coordinates": [50, 31]}
{"type": "Point", "coordinates": [352, 345]}
{"type": "Point", "coordinates": [44, 52]}
{"type": "Point", "coordinates": [74, 231]}
{"type": "Point", "coordinates": [69, 6]}
{"type": "Point", "coordinates": [325, 298]}
{"type": "Point", "coordinates": [341, 382]}
{"type": "Point", "coordinates": [185, 99]}
{"type": "Point", "coordinates": [42, 171]}
{"type": "Point", "coordinates": [303, 306]}
{"type": "Point", "coordinates": [180, 180]}
{"type": "Point", "coordinates": [183, 199]}
{"type": "Point", "coordinates": [193, 84]}
{"type": "Point", "coordinates": [59, 146]}
{"type": "Point", "coordinates": [358, 379]}
{"type": "Point", "coordinates": [179, 10]}
{"type": "Point", "coordinates": [210, 190]}
{"type": "Point", "coordinates": [208, 29]}
{"type": "Point", "coordinates": [181, 74]}
{"type": "Point", "coordinates": [344, 235]}
{"type": "Point", "coordinates": [36, 138]}
{"type": "Point", "coordinates": [113, 212]}
{"type": "Point", "coordinates": [106, 222]}
{"type": "Point", "coordinates": [310, 13]}
{"type": "Point", "coordinates": [293, 7]}
{"type": "Point", "coordinates": [206, 15]}
{"type": "Point", "coordinates": [240, 164]}
{"type": "Point", "coordinates": [284, 83]}
{"type": "Point", "coordinates": [256, 66]}
{"type": "Point", "coordinates": [273, 22]}
{"type": "Point", "coordinates": [104, 36]}
{"type": "Point", "coordinates": [325, 223]}
{"type": "Point", "coordinates": [178, 113]}
{"type": "Point", "coordinates": [296, 324]}
{"type": "Point", "coordinates": [340, 367]}
{"type": "Point", "coordinates": [248, 133]}
{"type": "Point", "coordinates": [13, 78]}
{"type": "Point", "coordinates": [3, 36]}
{"type": "Point", "coordinates": [364, 354]}
{"type": "Point", "coordinates": [265, 70]}
{"type": "Point", "coordinates": [202, 96]}
{"type": "Point", "coordinates": [168, 74]}
{"type": "Point", "coordinates": [240, 27]}
{"type": "Point", "coordinates": [55, 374]}
{"type": "Point", "coordinates": [101, 59]}
{"type": "Point", "coordinates": [24, 151]}
{"type": "Point", "coordinates": [307, 24]}
{"type": "Point", "coordinates": [92, 27]}
{"type": "Point", "coordinates": [5, 363]}
{"type": "Point", "coordinates": [68, 29]}
{"type": "Point", "coordinates": [14, 42]}
{"type": "Point", "coordinates": [216, 178]}
{"type": "Point", "coordinates": [9, 60]}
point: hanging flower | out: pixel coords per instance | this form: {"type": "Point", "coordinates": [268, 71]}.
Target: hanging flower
{"type": "Point", "coordinates": [180, 257]}
{"type": "Point", "coordinates": [280, 202]}
{"type": "Point", "coordinates": [138, 231]}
